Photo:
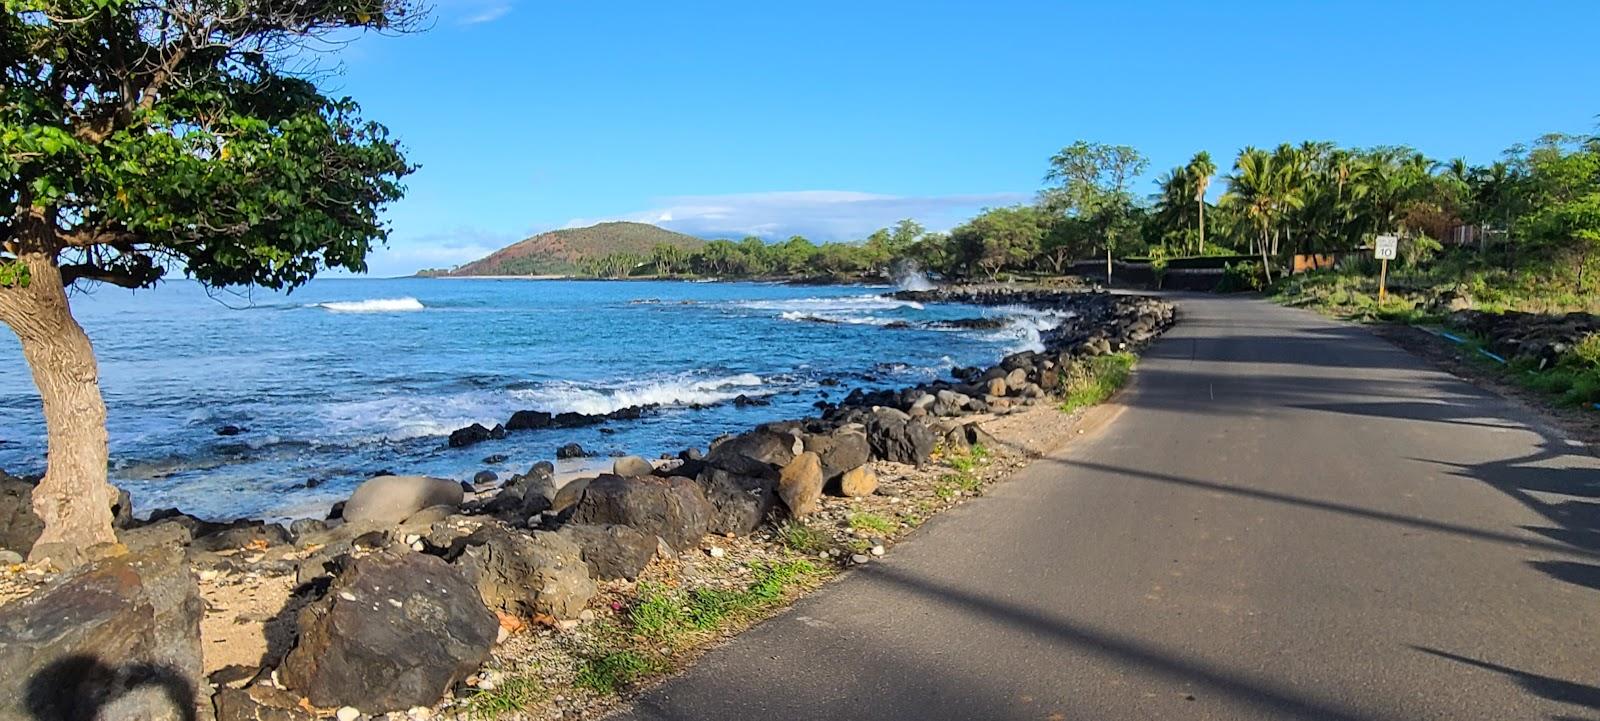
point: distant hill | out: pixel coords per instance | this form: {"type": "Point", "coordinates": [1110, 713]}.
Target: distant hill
{"type": "Point", "coordinates": [559, 251]}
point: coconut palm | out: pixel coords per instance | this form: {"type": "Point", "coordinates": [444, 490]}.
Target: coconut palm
{"type": "Point", "coordinates": [1200, 170]}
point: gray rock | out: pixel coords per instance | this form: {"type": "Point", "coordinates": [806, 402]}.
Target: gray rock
{"type": "Point", "coordinates": [242, 534]}
{"type": "Point", "coordinates": [388, 500]}
{"type": "Point", "coordinates": [19, 527]}
{"type": "Point", "coordinates": [840, 451]}
{"type": "Point", "coordinates": [161, 534]}
{"type": "Point", "coordinates": [572, 450]}
{"type": "Point", "coordinates": [902, 441]}
{"type": "Point", "coordinates": [525, 575]}
{"type": "Point", "coordinates": [629, 466]}
{"type": "Point", "coordinates": [611, 551]}
{"type": "Point", "coordinates": [396, 629]}
{"type": "Point", "coordinates": [741, 503]}
{"type": "Point", "coordinates": [1016, 379]}
{"type": "Point", "coordinates": [119, 639]}
{"type": "Point", "coordinates": [757, 453]}
{"type": "Point", "coordinates": [675, 508]}
{"type": "Point", "coordinates": [9, 558]}
{"type": "Point", "coordinates": [800, 484]}
{"type": "Point", "coordinates": [303, 527]}
{"type": "Point", "coordinates": [950, 403]}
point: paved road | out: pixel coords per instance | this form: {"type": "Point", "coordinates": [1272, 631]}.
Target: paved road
{"type": "Point", "coordinates": [1291, 520]}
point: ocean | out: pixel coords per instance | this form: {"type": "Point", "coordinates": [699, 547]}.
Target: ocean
{"type": "Point", "coordinates": [348, 377]}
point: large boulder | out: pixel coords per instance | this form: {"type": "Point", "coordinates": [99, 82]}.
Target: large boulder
{"type": "Point", "coordinates": [800, 484]}
{"type": "Point", "coordinates": [569, 494]}
{"type": "Point", "coordinates": [527, 575]}
{"type": "Point", "coordinates": [741, 503]}
{"type": "Point", "coordinates": [475, 433]}
{"type": "Point", "coordinates": [388, 500]}
{"type": "Point", "coordinates": [757, 453]}
{"type": "Point", "coordinates": [673, 508]}
{"type": "Point", "coordinates": [895, 437]}
{"type": "Point", "coordinates": [119, 639]}
{"type": "Point", "coordinates": [611, 551]}
{"type": "Point", "coordinates": [396, 629]}
{"type": "Point", "coordinates": [840, 451]}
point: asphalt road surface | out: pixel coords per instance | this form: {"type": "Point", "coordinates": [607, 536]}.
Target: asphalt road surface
{"type": "Point", "coordinates": [1291, 519]}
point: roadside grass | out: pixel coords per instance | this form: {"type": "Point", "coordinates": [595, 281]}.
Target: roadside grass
{"type": "Point", "coordinates": [1574, 380]}
{"type": "Point", "coordinates": [1095, 380]}
{"type": "Point", "coordinates": [664, 621]}
{"type": "Point", "coordinates": [872, 522]}
{"type": "Point", "coordinates": [512, 694]}
{"type": "Point", "coordinates": [802, 538]}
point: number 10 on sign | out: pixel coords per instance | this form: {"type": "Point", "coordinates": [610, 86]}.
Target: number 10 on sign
{"type": "Point", "coordinates": [1386, 249]}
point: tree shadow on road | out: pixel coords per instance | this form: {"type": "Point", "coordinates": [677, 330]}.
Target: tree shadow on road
{"type": "Point", "coordinates": [1546, 687]}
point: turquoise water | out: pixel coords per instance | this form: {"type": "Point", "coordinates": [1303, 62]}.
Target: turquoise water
{"type": "Point", "coordinates": [345, 378]}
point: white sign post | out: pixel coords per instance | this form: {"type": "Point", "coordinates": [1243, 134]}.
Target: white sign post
{"type": "Point", "coordinates": [1388, 246]}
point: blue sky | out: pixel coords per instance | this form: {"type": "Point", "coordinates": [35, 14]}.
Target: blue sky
{"type": "Point", "coordinates": [831, 119]}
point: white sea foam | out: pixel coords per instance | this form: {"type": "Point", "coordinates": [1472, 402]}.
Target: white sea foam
{"type": "Point", "coordinates": [679, 390]}
{"type": "Point", "coordinates": [842, 303]}
{"type": "Point", "coordinates": [1026, 327]}
{"type": "Point", "coordinates": [404, 417]}
{"type": "Point", "coordinates": [845, 318]}
{"type": "Point", "coordinates": [375, 305]}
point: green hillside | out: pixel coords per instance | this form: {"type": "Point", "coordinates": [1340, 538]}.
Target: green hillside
{"type": "Point", "coordinates": [559, 251]}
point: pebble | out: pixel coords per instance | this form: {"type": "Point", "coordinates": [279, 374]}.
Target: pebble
{"type": "Point", "coordinates": [419, 713]}
{"type": "Point", "coordinates": [860, 558]}
{"type": "Point", "coordinates": [877, 550]}
{"type": "Point", "coordinates": [209, 574]}
{"type": "Point", "coordinates": [586, 615]}
{"type": "Point", "coordinates": [717, 552]}
{"type": "Point", "coordinates": [9, 558]}
{"type": "Point", "coordinates": [502, 635]}
{"type": "Point", "coordinates": [417, 546]}
{"type": "Point", "coordinates": [347, 713]}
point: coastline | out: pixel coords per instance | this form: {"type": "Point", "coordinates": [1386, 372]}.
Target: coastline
{"type": "Point", "coordinates": [922, 449]}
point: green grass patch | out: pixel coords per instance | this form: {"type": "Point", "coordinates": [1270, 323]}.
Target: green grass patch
{"type": "Point", "coordinates": [609, 672]}
{"type": "Point", "coordinates": [1096, 379]}
{"type": "Point", "coordinates": [513, 694]}
{"type": "Point", "coordinates": [801, 538]}
{"type": "Point", "coordinates": [872, 522]}
{"type": "Point", "coordinates": [673, 617]}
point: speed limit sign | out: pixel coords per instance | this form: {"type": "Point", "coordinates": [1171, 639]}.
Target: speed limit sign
{"type": "Point", "coordinates": [1387, 247]}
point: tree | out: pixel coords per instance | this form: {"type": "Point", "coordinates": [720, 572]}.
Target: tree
{"type": "Point", "coordinates": [1564, 214]}
{"type": "Point", "coordinates": [1093, 183]}
{"type": "Point", "coordinates": [1200, 170]}
{"type": "Point", "coordinates": [667, 258]}
{"type": "Point", "coordinates": [1257, 189]}
{"type": "Point", "coordinates": [999, 237]}
{"type": "Point", "coordinates": [141, 138]}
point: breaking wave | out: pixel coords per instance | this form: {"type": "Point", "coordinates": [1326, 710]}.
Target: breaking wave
{"type": "Point", "coordinates": [376, 305]}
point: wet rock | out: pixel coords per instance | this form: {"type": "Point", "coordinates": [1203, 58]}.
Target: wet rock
{"type": "Point", "coordinates": [388, 500]}
{"type": "Point", "coordinates": [757, 453]}
{"type": "Point", "coordinates": [800, 484]}
{"type": "Point", "coordinates": [632, 466]}
{"type": "Point", "coordinates": [119, 639]}
{"type": "Point", "coordinates": [611, 551]}
{"type": "Point", "coordinates": [395, 629]}
{"type": "Point", "coordinates": [527, 574]}
{"type": "Point", "coordinates": [485, 478]}
{"type": "Point", "coordinates": [528, 421]}
{"type": "Point", "coordinates": [474, 434]}
{"type": "Point", "coordinates": [741, 503]}
{"type": "Point", "coordinates": [231, 430]}
{"type": "Point", "coordinates": [858, 482]}
{"type": "Point", "coordinates": [572, 450]}
{"type": "Point", "coordinates": [675, 509]}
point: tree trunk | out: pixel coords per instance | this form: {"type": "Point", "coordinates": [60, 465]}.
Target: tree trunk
{"type": "Point", "coordinates": [1108, 265]}
{"type": "Point", "coordinates": [1202, 205]}
{"type": "Point", "coordinates": [74, 499]}
{"type": "Point", "coordinates": [1266, 265]}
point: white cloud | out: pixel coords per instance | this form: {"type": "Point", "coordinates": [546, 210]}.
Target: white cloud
{"type": "Point", "coordinates": [473, 12]}
{"type": "Point", "coordinates": [821, 215]}
{"type": "Point", "coordinates": [405, 256]}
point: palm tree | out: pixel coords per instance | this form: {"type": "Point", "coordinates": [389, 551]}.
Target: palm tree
{"type": "Point", "coordinates": [1263, 188]}
{"type": "Point", "coordinates": [1200, 171]}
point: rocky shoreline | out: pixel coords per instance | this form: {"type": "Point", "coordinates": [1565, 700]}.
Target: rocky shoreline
{"type": "Point", "coordinates": [397, 599]}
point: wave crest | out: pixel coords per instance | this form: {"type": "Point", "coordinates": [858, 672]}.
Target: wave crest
{"type": "Point", "coordinates": [374, 305]}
